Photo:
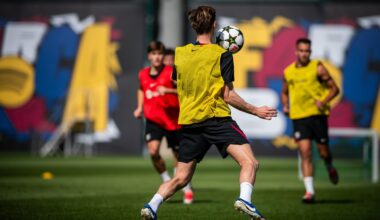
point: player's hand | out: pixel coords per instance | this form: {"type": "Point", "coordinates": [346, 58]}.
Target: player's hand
{"type": "Point", "coordinates": [138, 113]}
{"type": "Point", "coordinates": [265, 112]}
{"type": "Point", "coordinates": [161, 90]}
{"type": "Point", "coordinates": [285, 109]}
{"type": "Point", "coordinates": [321, 105]}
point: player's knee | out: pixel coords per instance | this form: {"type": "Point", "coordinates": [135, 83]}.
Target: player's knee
{"type": "Point", "coordinates": [305, 155]}
{"type": "Point", "coordinates": [155, 156]}
{"type": "Point", "coordinates": [327, 158]}
{"type": "Point", "coordinates": [255, 164]}
{"type": "Point", "coordinates": [153, 151]}
{"type": "Point", "coordinates": [251, 163]}
{"type": "Point", "coordinates": [324, 154]}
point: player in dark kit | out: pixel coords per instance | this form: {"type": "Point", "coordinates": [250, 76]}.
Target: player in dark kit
{"type": "Point", "coordinates": [157, 100]}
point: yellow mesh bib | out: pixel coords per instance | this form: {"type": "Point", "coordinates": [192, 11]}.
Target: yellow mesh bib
{"type": "Point", "coordinates": [304, 89]}
{"type": "Point", "coordinates": [200, 83]}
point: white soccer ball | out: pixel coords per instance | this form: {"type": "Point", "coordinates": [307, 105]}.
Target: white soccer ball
{"type": "Point", "coordinates": [230, 38]}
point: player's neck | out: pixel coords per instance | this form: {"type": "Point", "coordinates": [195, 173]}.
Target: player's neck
{"type": "Point", "coordinates": [154, 70]}
{"type": "Point", "coordinates": [302, 64]}
{"type": "Point", "coordinates": [204, 38]}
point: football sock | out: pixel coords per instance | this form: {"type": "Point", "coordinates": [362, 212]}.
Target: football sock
{"type": "Point", "coordinates": [156, 202]}
{"type": "Point", "coordinates": [246, 191]}
{"type": "Point", "coordinates": [165, 176]}
{"type": "Point", "coordinates": [187, 188]}
{"type": "Point", "coordinates": [308, 181]}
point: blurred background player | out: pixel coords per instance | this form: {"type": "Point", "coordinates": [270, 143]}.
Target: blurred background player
{"type": "Point", "coordinates": [307, 91]}
{"type": "Point", "coordinates": [169, 57]}
{"type": "Point", "coordinates": [204, 73]}
{"type": "Point", "coordinates": [157, 100]}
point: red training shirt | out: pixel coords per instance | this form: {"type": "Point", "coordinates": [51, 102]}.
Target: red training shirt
{"type": "Point", "coordinates": [160, 109]}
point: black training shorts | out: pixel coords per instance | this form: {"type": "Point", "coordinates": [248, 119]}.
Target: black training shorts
{"type": "Point", "coordinates": [155, 132]}
{"type": "Point", "coordinates": [198, 138]}
{"type": "Point", "coordinates": [313, 128]}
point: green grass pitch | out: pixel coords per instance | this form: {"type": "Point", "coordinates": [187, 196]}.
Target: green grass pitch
{"type": "Point", "coordinates": [117, 188]}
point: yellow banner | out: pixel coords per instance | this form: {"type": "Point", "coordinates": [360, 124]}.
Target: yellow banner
{"type": "Point", "coordinates": [92, 78]}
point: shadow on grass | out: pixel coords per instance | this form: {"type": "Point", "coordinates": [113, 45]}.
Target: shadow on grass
{"type": "Point", "coordinates": [198, 201]}
{"type": "Point", "coordinates": [334, 201]}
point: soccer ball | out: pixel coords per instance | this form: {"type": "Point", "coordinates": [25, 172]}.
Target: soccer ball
{"type": "Point", "coordinates": [230, 38]}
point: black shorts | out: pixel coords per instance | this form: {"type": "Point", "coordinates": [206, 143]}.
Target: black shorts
{"type": "Point", "coordinates": [155, 132]}
{"type": "Point", "coordinates": [198, 138]}
{"type": "Point", "coordinates": [313, 128]}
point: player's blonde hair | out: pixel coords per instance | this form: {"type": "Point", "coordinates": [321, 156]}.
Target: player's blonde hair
{"type": "Point", "coordinates": [202, 19]}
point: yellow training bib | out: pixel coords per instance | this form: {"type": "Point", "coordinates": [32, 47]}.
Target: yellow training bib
{"type": "Point", "coordinates": [200, 83]}
{"type": "Point", "coordinates": [304, 90]}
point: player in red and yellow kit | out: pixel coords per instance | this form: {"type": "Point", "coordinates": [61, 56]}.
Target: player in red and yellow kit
{"type": "Point", "coordinates": [157, 100]}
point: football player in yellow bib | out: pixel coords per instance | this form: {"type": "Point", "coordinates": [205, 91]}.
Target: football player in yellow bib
{"type": "Point", "coordinates": [307, 91]}
{"type": "Point", "coordinates": [204, 74]}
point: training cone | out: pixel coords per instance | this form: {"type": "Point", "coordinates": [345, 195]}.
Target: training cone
{"type": "Point", "coordinates": [47, 175]}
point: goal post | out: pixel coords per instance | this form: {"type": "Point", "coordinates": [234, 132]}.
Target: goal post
{"type": "Point", "coordinates": [357, 132]}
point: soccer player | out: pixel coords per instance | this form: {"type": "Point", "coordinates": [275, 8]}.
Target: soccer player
{"type": "Point", "coordinates": [307, 91]}
{"type": "Point", "coordinates": [157, 99]}
{"type": "Point", "coordinates": [204, 73]}
{"type": "Point", "coordinates": [169, 57]}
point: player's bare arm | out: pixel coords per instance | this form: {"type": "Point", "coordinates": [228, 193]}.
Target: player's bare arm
{"type": "Point", "coordinates": [140, 102]}
{"type": "Point", "coordinates": [285, 97]}
{"type": "Point", "coordinates": [232, 98]}
{"type": "Point", "coordinates": [325, 76]}
{"type": "Point", "coordinates": [162, 90]}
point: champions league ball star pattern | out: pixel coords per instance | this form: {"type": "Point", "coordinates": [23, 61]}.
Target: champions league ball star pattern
{"type": "Point", "coordinates": [230, 38]}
